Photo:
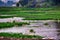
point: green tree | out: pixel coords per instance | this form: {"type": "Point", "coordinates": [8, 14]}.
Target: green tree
{"type": "Point", "coordinates": [17, 4]}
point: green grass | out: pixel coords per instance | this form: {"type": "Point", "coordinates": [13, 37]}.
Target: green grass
{"type": "Point", "coordinates": [25, 9]}
{"type": "Point", "coordinates": [18, 35]}
{"type": "Point", "coordinates": [8, 24]}
{"type": "Point", "coordinates": [6, 16]}
{"type": "Point", "coordinates": [44, 14]}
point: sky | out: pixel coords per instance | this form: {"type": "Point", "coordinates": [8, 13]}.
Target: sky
{"type": "Point", "coordinates": [10, 0]}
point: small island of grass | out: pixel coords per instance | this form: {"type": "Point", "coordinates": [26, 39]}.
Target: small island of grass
{"type": "Point", "coordinates": [19, 35]}
{"type": "Point", "coordinates": [9, 24]}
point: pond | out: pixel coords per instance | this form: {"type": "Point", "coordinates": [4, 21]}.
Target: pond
{"type": "Point", "coordinates": [45, 28]}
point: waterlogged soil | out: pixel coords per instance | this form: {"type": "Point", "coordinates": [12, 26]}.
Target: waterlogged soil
{"type": "Point", "coordinates": [51, 30]}
{"type": "Point", "coordinates": [22, 39]}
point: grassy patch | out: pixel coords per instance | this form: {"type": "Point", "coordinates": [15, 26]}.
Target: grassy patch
{"type": "Point", "coordinates": [32, 14]}
{"type": "Point", "coordinates": [6, 16]}
{"type": "Point", "coordinates": [25, 9]}
{"type": "Point", "coordinates": [19, 35]}
{"type": "Point", "coordinates": [8, 24]}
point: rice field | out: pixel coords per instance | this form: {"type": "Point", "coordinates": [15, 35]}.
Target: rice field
{"type": "Point", "coordinates": [31, 13]}
{"type": "Point", "coordinates": [45, 28]}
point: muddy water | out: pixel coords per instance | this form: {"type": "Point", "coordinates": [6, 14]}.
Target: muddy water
{"type": "Point", "coordinates": [48, 31]}
{"type": "Point", "coordinates": [11, 19]}
{"type": "Point", "coordinates": [58, 27]}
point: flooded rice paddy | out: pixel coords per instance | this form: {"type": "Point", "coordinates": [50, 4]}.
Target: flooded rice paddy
{"type": "Point", "coordinates": [45, 28]}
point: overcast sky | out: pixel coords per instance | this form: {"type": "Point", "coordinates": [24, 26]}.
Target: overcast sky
{"type": "Point", "coordinates": [10, 0]}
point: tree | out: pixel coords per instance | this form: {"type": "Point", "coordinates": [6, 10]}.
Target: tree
{"type": "Point", "coordinates": [26, 3]}
{"type": "Point", "coordinates": [17, 4]}
{"type": "Point", "coordinates": [22, 2]}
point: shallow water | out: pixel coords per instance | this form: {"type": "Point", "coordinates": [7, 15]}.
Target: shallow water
{"type": "Point", "coordinates": [17, 19]}
{"type": "Point", "coordinates": [47, 31]}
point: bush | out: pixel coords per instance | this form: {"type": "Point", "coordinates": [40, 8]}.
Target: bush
{"type": "Point", "coordinates": [46, 24]}
{"type": "Point", "coordinates": [32, 31]}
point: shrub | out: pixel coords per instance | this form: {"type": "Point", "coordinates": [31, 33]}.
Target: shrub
{"type": "Point", "coordinates": [32, 31]}
{"type": "Point", "coordinates": [46, 24]}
